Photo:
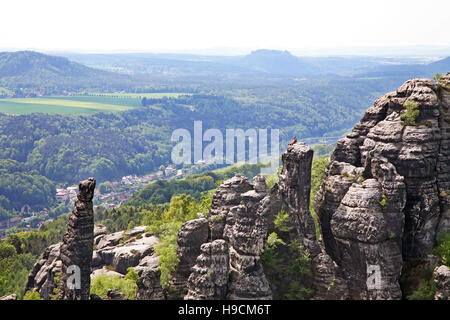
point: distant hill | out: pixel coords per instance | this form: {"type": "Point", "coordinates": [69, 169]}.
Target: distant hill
{"type": "Point", "coordinates": [442, 66]}
{"type": "Point", "coordinates": [164, 65]}
{"type": "Point", "coordinates": [259, 64]}
{"type": "Point", "coordinates": [275, 62]}
{"type": "Point", "coordinates": [29, 69]}
{"type": "Point", "coordinates": [409, 70]}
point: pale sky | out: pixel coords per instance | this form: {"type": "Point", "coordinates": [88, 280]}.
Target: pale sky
{"type": "Point", "coordinates": [177, 25]}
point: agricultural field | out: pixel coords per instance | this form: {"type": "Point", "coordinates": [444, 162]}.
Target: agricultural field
{"type": "Point", "coordinates": [80, 104]}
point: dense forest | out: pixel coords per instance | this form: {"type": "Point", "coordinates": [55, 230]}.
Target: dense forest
{"type": "Point", "coordinates": [42, 150]}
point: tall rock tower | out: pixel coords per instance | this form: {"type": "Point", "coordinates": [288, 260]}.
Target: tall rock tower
{"type": "Point", "coordinates": [77, 246]}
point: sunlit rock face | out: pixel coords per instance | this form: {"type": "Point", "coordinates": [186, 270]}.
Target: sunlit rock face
{"type": "Point", "coordinates": [385, 197]}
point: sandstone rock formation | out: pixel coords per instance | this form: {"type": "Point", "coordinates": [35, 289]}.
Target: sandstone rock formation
{"type": "Point", "coordinates": [292, 193]}
{"type": "Point", "coordinates": [149, 287]}
{"type": "Point", "coordinates": [442, 282]}
{"type": "Point", "coordinates": [113, 255]}
{"type": "Point", "coordinates": [43, 275]}
{"type": "Point", "coordinates": [77, 246]}
{"type": "Point", "coordinates": [229, 266]}
{"type": "Point", "coordinates": [209, 277]}
{"type": "Point", "coordinates": [192, 235]}
{"type": "Point", "coordinates": [9, 297]}
{"type": "Point", "coordinates": [386, 195]}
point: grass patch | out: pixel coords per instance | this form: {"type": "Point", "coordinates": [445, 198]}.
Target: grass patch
{"type": "Point", "coordinates": [103, 282]}
{"type": "Point", "coordinates": [53, 105]}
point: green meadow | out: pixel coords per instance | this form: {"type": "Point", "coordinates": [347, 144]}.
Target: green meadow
{"type": "Point", "coordinates": [81, 104]}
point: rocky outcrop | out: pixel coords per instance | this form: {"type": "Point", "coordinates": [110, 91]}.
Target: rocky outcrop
{"type": "Point", "coordinates": [45, 271]}
{"type": "Point", "coordinates": [77, 246]}
{"type": "Point", "coordinates": [9, 297]}
{"type": "Point", "coordinates": [113, 255]}
{"type": "Point", "coordinates": [292, 194]}
{"type": "Point", "coordinates": [385, 196]}
{"type": "Point", "coordinates": [229, 266]}
{"type": "Point", "coordinates": [442, 281]}
{"type": "Point", "coordinates": [192, 235]}
{"type": "Point", "coordinates": [209, 277]}
{"type": "Point", "coordinates": [149, 287]}
{"type": "Point", "coordinates": [126, 255]}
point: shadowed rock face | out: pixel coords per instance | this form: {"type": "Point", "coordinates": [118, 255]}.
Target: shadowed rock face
{"type": "Point", "coordinates": [292, 194]}
{"type": "Point", "coordinates": [385, 197]}
{"type": "Point", "coordinates": [192, 235]}
{"type": "Point", "coordinates": [209, 277]}
{"type": "Point", "coordinates": [229, 266]}
{"type": "Point", "coordinates": [42, 276]}
{"type": "Point", "coordinates": [77, 246]}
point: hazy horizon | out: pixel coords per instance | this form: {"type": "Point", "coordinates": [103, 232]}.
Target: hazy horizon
{"type": "Point", "coordinates": [347, 27]}
{"type": "Point", "coordinates": [382, 51]}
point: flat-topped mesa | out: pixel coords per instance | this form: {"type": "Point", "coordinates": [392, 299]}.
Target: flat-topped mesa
{"type": "Point", "coordinates": [77, 246]}
{"type": "Point", "coordinates": [385, 196]}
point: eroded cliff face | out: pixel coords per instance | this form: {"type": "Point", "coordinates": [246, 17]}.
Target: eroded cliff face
{"type": "Point", "coordinates": [229, 266]}
{"type": "Point", "coordinates": [385, 197]}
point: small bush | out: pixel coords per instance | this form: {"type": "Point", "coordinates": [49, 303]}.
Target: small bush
{"type": "Point", "coordinates": [271, 180]}
{"type": "Point", "coordinates": [425, 292]}
{"type": "Point", "coordinates": [437, 77]}
{"type": "Point", "coordinates": [300, 259]}
{"type": "Point", "coordinates": [443, 249]}
{"type": "Point", "coordinates": [282, 221]}
{"type": "Point", "coordinates": [131, 274]}
{"type": "Point", "coordinates": [103, 282]}
{"type": "Point", "coordinates": [110, 268]}
{"type": "Point", "coordinates": [56, 280]}
{"type": "Point", "coordinates": [383, 203]}
{"type": "Point", "coordinates": [273, 240]}
{"type": "Point", "coordinates": [217, 218]}
{"type": "Point", "coordinates": [296, 292]}
{"type": "Point", "coordinates": [411, 114]}
{"type": "Point", "coordinates": [32, 295]}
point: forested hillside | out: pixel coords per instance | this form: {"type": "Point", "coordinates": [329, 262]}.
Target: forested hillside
{"type": "Point", "coordinates": [50, 74]}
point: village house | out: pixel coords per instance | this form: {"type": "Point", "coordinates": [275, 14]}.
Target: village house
{"type": "Point", "coordinates": [170, 170]}
{"type": "Point", "coordinates": [62, 195]}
